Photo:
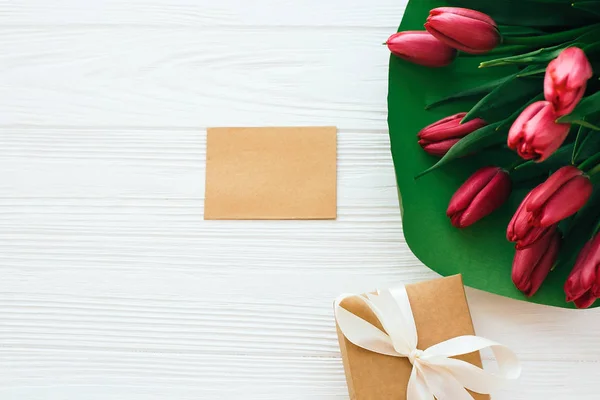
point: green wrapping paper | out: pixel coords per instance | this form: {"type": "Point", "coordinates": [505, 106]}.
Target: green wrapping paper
{"type": "Point", "coordinates": [481, 252]}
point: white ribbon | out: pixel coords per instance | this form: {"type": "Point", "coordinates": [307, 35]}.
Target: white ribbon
{"type": "Point", "coordinates": [434, 373]}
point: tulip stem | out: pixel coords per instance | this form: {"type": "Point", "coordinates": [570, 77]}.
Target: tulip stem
{"type": "Point", "coordinates": [596, 229]}
{"type": "Point", "coordinates": [593, 172]}
{"type": "Point", "coordinates": [588, 162]}
{"type": "Point", "coordinates": [516, 49]}
{"type": "Point", "coordinates": [516, 165]}
{"type": "Point", "coordinates": [552, 38]}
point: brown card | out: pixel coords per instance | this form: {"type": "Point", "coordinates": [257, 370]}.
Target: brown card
{"type": "Point", "coordinates": [441, 312]}
{"type": "Point", "coordinates": [271, 173]}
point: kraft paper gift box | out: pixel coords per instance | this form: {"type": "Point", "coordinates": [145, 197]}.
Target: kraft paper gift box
{"type": "Point", "coordinates": [440, 312]}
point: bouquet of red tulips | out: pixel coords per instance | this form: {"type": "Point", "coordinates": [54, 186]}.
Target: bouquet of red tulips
{"type": "Point", "coordinates": [551, 134]}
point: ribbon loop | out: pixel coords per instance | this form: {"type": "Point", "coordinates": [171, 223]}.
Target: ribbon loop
{"type": "Point", "coordinates": [435, 372]}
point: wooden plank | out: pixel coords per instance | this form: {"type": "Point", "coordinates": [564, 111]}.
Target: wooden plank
{"type": "Point", "coordinates": [184, 78]}
{"type": "Point", "coordinates": [203, 13]}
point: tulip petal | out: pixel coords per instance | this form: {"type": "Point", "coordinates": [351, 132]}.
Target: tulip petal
{"type": "Point", "coordinates": [533, 235]}
{"type": "Point", "coordinates": [420, 47]}
{"type": "Point", "coordinates": [468, 190]}
{"type": "Point", "coordinates": [442, 121]}
{"type": "Point", "coordinates": [566, 79]}
{"type": "Point", "coordinates": [588, 273]}
{"type": "Point", "coordinates": [542, 134]}
{"type": "Point", "coordinates": [439, 148]}
{"type": "Point", "coordinates": [516, 132]}
{"type": "Point", "coordinates": [585, 300]}
{"type": "Point", "coordinates": [543, 267]}
{"type": "Point", "coordinates": [450, 129]}
{"type": "Point", "coordinates": [465, 12]}
{"type": "Point", "coordinates": [488, 199]}
{"type": "Point", "coordinates": [520, 230]}
{"type": "Point", "coordinates": [573, 287]}
{"type": "Point", "coordinates": [531, 265]}
{"type": "Point", "coordinates": [518, 224]}
{"type": "Point", "coordinates": [566, 201]}
{"type": "Point", "coordinates": [465, 34]}
{"type": "Point", "coordinates": [544, 191]}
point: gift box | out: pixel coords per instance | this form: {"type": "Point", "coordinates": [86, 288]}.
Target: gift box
{"type": "Point", "coordinates": [388, 339]}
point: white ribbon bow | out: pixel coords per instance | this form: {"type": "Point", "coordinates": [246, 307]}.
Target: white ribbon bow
{"type": "Point", "coordinates": [434, 373]}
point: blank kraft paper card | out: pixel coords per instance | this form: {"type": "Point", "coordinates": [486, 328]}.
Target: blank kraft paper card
{"type": "Point", "coordinates": [271, 173]}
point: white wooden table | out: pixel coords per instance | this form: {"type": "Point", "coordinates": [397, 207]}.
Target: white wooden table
{"type": "Point", "coordinates": [113, 287]}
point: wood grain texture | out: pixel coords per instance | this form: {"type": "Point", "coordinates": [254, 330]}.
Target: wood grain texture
{"type": "Point", "coordinates": [112, 284]}
{"type": "Point", "coordinates": [199, 14]}
{"type": "Point", "coordinates": [189, 78]}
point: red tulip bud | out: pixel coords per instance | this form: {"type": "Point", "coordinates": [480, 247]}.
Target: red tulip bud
{"type": "Point", "coordinates": [566, 79]}
{"type": "Point", "coordinates": [532, 265]}
{"type": "Point", "coordinates": [439, 137]}
{"type": "Point", "coordinates": [583, 284]}
{"type": "Point", "coordinates": [559, 197]}
{"type": "Point", "coordinates": [486, 190]}
{"type": "Point", "coordinates": [420, 47]}
{"type": "Point", "coordinates": [534, 134]}
{"type": "Point", "coordinates": [464, 29]}
{"type": "Point", "coordinates": [521, 230]}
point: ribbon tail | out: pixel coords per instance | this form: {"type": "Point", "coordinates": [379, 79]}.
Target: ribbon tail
{"type": "Point", "coordinates": [417, 388]}
{"type": "Point", "coordinates": [443, 385]}
{"type": "Point", "coordinates": [469, 375]}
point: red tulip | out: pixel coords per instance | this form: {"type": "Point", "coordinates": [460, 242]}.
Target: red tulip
{"type": "Point", "coordinates": [521, 229]}
{"type": "Point", "coordinates": [566, 79]}
{"type": "Point", "coordinates": [532, 265]}
{"type": "Point", "coordinates": [464, 29]}
{"type": "Point", "coordinates": [420, 47]}
{"type": "Point", "coordinates": [583, 284]}
{"type": "Point", "coordinates": [561, 196]}
{"type": "Point", "coordinates": [486, 190]}
{"type": "Point", "coordinates": [534, 134]}
{"type": "Point", "coordinates": [440, 136]}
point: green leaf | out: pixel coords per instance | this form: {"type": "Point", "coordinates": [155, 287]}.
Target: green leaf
{"type": "Point", "coordinates": [587, 107]}
{"type": "Point", "coordinates": [589, 145]}
{"type": "Point", "coordinates": [582, 136]}
{"type": "Point", "coordinates": [589, 162]}
{"type": "Point", "coordinates": [590, 50]}
{"type": "Point", "coordinates": [501, 49]}
{"type": "Point", "coordinates": [532, 169]}
{"type": "Point", "coordinates": [588, 6]}
{"type": "Point", "coordinates": [507, 123]}
{"type": "Point", "coordinates": [475, 141]}
{"type": "Point", "coordinates": [527, 12]}
{"type": "Point", "coordinates": [532, 72]}
{"type": "Point", "coordinates": [552, 38]}
{"type": "Point", "coordinates": [592, 36]}
{"type": "Point", "coordinates": [471, 92]}
{"type": "Point", "coordinates": [542, 55]}
{"type": "Point", "coordinates": [480, 252]}
{"type": "Point", "coordinates": [511, 30]}
{"type": "Point", "coordinates": [511, 94]}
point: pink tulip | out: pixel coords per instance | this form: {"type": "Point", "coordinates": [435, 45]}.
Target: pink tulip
{"type": "Point", "coordinates": [486, 190]}
{"type": "Point", "coordinates": [420, 47]}
{"type": "Point", "coordinates": [583, 284]}
{"type": "Point", "coordinates": [532, 265]}
{"type": "Point", "coordinates": [464, 29]}
{"type": "Point", "coordinates": [566, 79]}
{"type": "Point", "coordinates": [534, 134]}
{"type": "Point", "coordinates": [559, 197]}
{"type": "Point", "coordinates": [439, 137]}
